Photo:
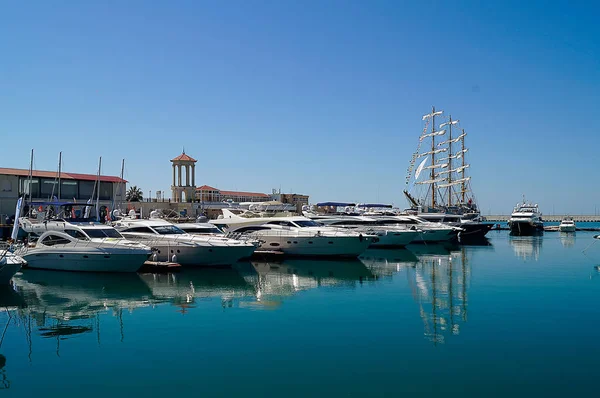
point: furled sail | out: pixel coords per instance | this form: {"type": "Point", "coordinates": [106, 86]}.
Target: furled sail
{"type": "Point", "coordinates": [457, 170]}
{"type": "Point", "coordinates": [420, 168]}
{"type": "Point", "coordinates": [432, 114]}
{"type": "Point", "coordinates": [455, 182]}
{"type": "Point", "coordinates": [435, 133]}
{"type": "Point", "coordinates": [437, 166]}
{"type": "Point", "coordinates": [449, 123]}
{"type": "Point", "coordinates": [433, 152]}
{"type": "Point", "coordinates": [434, 181]}
{"type": "Point", "coordinates": [452, 141]}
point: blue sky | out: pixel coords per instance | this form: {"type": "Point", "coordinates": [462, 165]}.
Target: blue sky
{"type": "Point", "coordinates": [317, 97]}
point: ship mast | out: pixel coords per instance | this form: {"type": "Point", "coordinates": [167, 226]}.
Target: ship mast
{"type": "Point", "coordinates": [432, 174]}
{"type": "Point", "coordinates": [463, 190]}
{"type": "Point", "coordinates": [450, 161]}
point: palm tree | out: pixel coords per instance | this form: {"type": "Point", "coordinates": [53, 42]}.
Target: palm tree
{"type": "Point", "coordinates": [134, 194]}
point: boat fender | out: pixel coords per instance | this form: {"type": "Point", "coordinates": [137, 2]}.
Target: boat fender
{"type": "Point", "coordinates": [174, 258]}
{"type": "Point", "coordinates": [360, 237]}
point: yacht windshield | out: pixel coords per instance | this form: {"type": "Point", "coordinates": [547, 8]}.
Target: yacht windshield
{"type": "Point", "coordinates": [102, 233]}
{"type": "Point", "coordinates": [307, 223]}
{"type": "Point", "coordinates": [168, 230]}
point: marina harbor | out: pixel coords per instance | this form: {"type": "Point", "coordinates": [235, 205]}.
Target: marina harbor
{"type": "Point", "coordinates": [281, 199]}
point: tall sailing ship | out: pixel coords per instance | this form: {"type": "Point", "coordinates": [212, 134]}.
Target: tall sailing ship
{"type": "Point", "coordinates": [439, 188]}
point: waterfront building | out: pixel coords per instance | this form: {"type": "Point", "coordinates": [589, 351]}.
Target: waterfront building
{"type": "Point", "coordinates": [44, 186]}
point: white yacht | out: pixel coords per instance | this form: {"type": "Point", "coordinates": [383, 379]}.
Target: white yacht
{"type": "Point", "coordinates": [567, 225]}
{"type": "Point", "coordinates": [428, 231]}
{"type": "Point", "coordinates": [174, 244]}
{"type": "Point", "coordinates": [94, 248]}
{"type": "Point", "coordinates": [78, 244]}
{"type": "Point", "coordinates": [297, 236]}
{"type": "Point", "coordinates": [10, 264]}
{"type": "Point", "coordinates": [389, 235]}
{"type": "Point", "coordinates": [526, 219]}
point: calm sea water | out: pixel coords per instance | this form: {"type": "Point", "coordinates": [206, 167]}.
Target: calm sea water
{"type": "Point", "coordinates": [517, 317]}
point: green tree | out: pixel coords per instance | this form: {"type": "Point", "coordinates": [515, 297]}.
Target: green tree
{"type": "Point", "coordinates": [134, 194]}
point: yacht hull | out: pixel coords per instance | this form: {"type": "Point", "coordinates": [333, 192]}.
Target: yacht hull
{"type": "Point", "coordinates": [7, 271]}
{"type": "Point", "coordinates": [317, 246]}
{"type": "Point", "coordinates": [189, 255]}
{"type": "Point", "coordinates": [90, 261]}
{"type": "Point", "coordinates": [395, 238]}
{"type": "Point", "coordinates": [567, 228]}
{"type": "Point", "coordinates": [436, 235]}
{"type": "Point", "coordinates": [525, 228]}
{"type": "Point", "coordinates": [474, 231]}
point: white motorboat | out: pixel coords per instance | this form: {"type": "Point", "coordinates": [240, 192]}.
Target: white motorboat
{"type": "Point", "coordinates": [526, 219]}
{"type": "Point", "coordinates": [174, 244]}
{"type": "Point", "coordinates": [297, 236]}
{"type": "Point", "coordinates": [429, 231]}
{"type": "Point", "coordinates": [91, 249]}
{"type": "Point", "coordinates": [389, 235]}
{"type": "Point", "coordinates": [567, 225]}
{"type": "Point", "coordinates": [10, 264]}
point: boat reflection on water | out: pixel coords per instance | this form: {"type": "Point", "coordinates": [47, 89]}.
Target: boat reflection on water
{"type": "Point", "coordinates": [386, 262]}
{"type": "Point", "coordinates": [567, 239]}
{"type": "Point", "coordinates": [278, 279]}
{"type": "Point", "coordinates": [62, 305]}
{"type": "Point", "coordinates": [439, 282]}
{"type": "Point", "coordinates": [527, 247]}
{"type": "Point", "coordinates": [185, 288]}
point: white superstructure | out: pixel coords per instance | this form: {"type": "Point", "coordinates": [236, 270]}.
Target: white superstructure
{"type": "Point", "coordinates": [173, 244]}
{"type": "Point", "coordinates": [299, 236]}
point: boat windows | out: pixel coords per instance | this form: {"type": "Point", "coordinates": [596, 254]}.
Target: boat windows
{"type": "Point", "coordinates": [52, 240]}
{"type": "Point", "coordinates": [168, 230]}
{"type": "Point", "coordinates": [144, 230]}
{"type": "Point", "coordinates": [307, 223]}
{"type": "Point", "coordinates": [76, 234]}
{"type": "Point", "coordinates": [283, 223]}
{"type": "Point", "coordinates": [102, 233]}
{"type": "Point", "coordinates": [251, 228]}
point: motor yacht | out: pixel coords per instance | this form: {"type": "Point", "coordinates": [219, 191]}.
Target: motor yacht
{"type": "Point", "coordinates": [296, 236]}
{"type": "Point", "coordinates": [174, 244]}
{"type": "Point", "coordinates": [567, 225]}
{"type": "Point", "coordinates": [526, 219]}
{"type": "Point", "coordinates": [429, 231]}
{"type": "Point", "coordinates": [59, 240]}
{"type": "Point", "coordinates": [472, 226]}
{"type": "Point", "coordinates": [94, 248]}
{"type": "Point", "coordinates": [389, 235]}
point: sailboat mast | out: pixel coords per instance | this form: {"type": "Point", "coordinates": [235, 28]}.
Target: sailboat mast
{"type": "Point", "coordinates": [449, 193]}
{"type": "Point", "coordinates": [432, 174]}
{"type": "Point", "coordinates": [59, 170]}
{"type": "Point", "coordinates": [98, 191]}
{"type": "Point", "coordinates": [121, 184]}
{"type": "Point", "coordinates": [30, 177]}
{"type": "Point", "coordinates": [463, 184]}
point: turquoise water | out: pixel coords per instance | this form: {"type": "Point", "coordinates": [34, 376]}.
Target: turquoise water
{"type": "Point", "coordinates": [518, 317]}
